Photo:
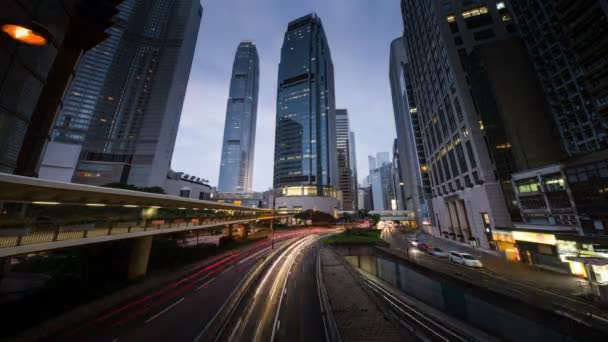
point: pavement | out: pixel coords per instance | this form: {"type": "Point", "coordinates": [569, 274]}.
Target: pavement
{"type": "Point", "coordinates": [180, 309]}
{"type": "Point", "coordinates": [554, 291]}
{"type": "Point", "coordinates": [357, 316]}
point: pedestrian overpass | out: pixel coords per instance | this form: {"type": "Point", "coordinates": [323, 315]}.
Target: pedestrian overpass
{"type": "Point", "coordinates": [39, 215]}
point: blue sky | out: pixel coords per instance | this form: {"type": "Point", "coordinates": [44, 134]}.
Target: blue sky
{"type": "Point", "coordinates": [359, 34]}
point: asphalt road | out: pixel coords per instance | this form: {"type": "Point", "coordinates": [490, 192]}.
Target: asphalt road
{"type": "Point", "coordinates": [285, 305]}
{"type": "Point", "coordinates": [180, 310]}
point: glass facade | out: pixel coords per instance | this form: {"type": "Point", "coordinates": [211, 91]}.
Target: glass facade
{"type": "Point", "coordinates": [236, 168]}
{"type": "Point", "coordinates": [344, 159]}
{"type": "Point", "coordinates": [134, 119]}
{"type": "Point", "coordinates": [305, 141]}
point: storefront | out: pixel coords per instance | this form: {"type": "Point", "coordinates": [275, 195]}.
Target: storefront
{"type": "Point", "coordinates": [539, 249]}
{"type": "Point", "coordinates": [504, 242]}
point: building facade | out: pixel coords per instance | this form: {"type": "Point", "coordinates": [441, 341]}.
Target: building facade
{"type": "Point", "coordinates": [188, 186]}
{"type": "Point", "coordinates": [80, 101]}
{"type": "Point", "coordinates": [398, 178]}
{"type": "Point", "coordinates": [343, 145]}
{"type": "Point", "coordinates": [567, 41]}
{"type": "Point", "coordinates": [33, 77]}
{"type": "Point", "coordinates": [480, 106]}
{"type": "Point", "coordinates": [382, 190]}
{"type": "Point", "coordinates": [236, 166]}
{"type": "Point", "coordinates": [132, 131]}
{"type": "Point", "coordinates": [352, 150]}
{"type": "Point", "coordinates": [305, 162]}
{"type": "Point", "coordinates": [412, 162]}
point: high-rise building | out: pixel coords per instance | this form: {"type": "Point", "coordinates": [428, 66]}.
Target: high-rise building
{"type": "Point", "coordinates": [36, 68]}
{"type": "Point", "coordinates": [383, 195]}
{"type": "Point", "coordinates": [236, 168]}
{"type": "Point", "coordinates": [81, 100]}
{"type": "Point", "coordinates": [352, 150]}
{"type": "Point", "coordinates": [568, 42]}
{"type": "Point", "coordinates": [416, 188]}
{"type": "Point", "coordinates": [134, 122]}
{"type": "Point", "coordinates": [480, 107]}
{"type": "Point", "coordinates": [345, 176]}
{"type": "Point", "coordinates": [398, 178]}
{"type": "Point", "coordinates": [305, 165]}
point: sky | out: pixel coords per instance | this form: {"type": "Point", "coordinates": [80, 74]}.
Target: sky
{"type": "Point", "coordinates": [359, 33]}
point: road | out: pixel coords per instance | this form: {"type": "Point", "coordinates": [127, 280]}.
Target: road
{"type": "Point", "coordinates": [285, 305]}
{"type": "Point", "coordinates": [180, 310]}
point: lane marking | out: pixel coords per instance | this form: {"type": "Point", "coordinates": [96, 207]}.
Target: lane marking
{"type": "Point", "coordinates": [165, 310]}
{"type": "Point", "coordinates": [205, 284]}
{"type": "Point", "coordinates": [253, 255]}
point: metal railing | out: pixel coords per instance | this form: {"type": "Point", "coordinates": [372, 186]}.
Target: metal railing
{"type": "Point", "coordinates": [28, 235]}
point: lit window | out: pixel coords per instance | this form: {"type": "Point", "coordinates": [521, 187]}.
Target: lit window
{"type": "Point", "coordinates": [413, 110]}
{"type": "Point", "coordinates": [481, 125]}
{"type": "Point", "coordinates": [450, 18]}
{"type": "Point", "coordinates": [500, 5]}
{"type": "Point", "coordinates": [473, 12]}
{"type": "Point", "coordinates": [503, 146]}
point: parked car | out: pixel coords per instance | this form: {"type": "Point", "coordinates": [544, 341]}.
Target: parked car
{"type": "Point", "coordinates": [464, 259]}
{"type": "Point", "coordinates": [414, 242]}
{"type": "Point", "coordinates": [438, 252]}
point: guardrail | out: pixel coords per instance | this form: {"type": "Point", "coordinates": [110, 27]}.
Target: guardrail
{"type": "Point", "coordinates": [26, 235]}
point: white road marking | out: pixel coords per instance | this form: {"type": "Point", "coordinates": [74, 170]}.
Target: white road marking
{"type": "Point", "coordinates": [165, 310]}
{"type": "Point", "coordinates": [253, 255]}
{"type": "Point", "coordinates": [205, 284]}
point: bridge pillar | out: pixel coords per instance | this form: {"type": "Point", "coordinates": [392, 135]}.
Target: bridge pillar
{"type": "Point", "coordinates": [140, 254]}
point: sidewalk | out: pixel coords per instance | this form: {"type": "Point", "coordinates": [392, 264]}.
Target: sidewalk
{"type": "Point", "coordinates": [357, 317]}
{"type": "Point", "coordinates": [564, 284]}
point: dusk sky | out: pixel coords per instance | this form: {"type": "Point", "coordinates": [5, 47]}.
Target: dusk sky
{"type": "Point", "coordinates": [359, 34]}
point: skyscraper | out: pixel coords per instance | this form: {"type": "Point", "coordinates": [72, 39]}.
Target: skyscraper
{"type": "Point", "coordinates": [352, 150]}
{"type": "Point", "coordinates": [344, 159]}
{"type": "Point", "coordinates": [133, 126]}
{"type": "Point", "coordinates": [81, 99]}
{"type": "Point", "coordinates": [305, 162]}
{"type": "Point", "coordinates": [416, 189]}
{"type": "Point", "coordinates": [566, 40]}
{"type": "Point", "coordinates": [480, 108]}
{"type": "Point", "coordinates": [236, 168]}
{"type": "Point", "coordinates": [33, 78]}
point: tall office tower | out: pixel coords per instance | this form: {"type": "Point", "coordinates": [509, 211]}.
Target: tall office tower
{"type": "Point", "coordinates": [371, 162]}
{"type": "Point", "coordinates": [568, 42]}
{"type": "Point", "coordinates": [345, 177]}
{"type": "Point", "coordinates": [352, 150]}
{"type": "Point", "coordinates": [398, 178]}
{"type": "Point", "coordinates": [305, 165]}
{"type": "Point", "coordinates": [134, 123]}
{"type": "Point", "coordinates": [80, 101]}
{"type": "Point", "coordinates": [412, 162]}
{"type": "Point", "coordinates": [236, 168]}
{"type": "Point", "coordinates": [383, 195]}
{"type": "Point", "coordinates": [34, 73]}
{"type": "Point", "coordinates": [383, 158]}
{"type": "Point", "coordinates": [480, 108]}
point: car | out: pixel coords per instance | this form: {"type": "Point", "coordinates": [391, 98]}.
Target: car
{"type": "Point", "coordinates": [464, 259]}
{"type": "Point", "coordinates": [414, 242]}
{"type": "Point", "coordinates": [438, 252]}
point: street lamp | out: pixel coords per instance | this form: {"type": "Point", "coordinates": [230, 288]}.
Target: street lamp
{"type": "Point", "coordinates": [30, 34]}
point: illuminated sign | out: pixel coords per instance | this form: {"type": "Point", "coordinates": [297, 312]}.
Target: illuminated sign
{"type": "Point", "coordinates": [547, 239]}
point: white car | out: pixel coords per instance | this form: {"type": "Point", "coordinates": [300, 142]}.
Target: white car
{"type": "Point", "coordinates": [438, 252]}
{"type": "Point", "coordinates": [465, 259]}
{"type": "Point", "coordinates": [414, 242]}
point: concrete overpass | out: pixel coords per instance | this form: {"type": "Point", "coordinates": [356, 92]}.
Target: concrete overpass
{"type": "Point", "coordinates": [115, 214]}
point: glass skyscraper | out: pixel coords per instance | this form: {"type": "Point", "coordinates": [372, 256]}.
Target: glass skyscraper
{"type": "Point", "coordinates": [236, 168]}
{"type": "Point", "coordinates": [344, 159]}
{"type": "Point", "coordinates": [139, 92]}
{"type": "Point", "coordinates": [305, 142]}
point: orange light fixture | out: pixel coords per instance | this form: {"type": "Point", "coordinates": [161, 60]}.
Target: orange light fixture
{"type": "Point", "coordinates": [24, 34]}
